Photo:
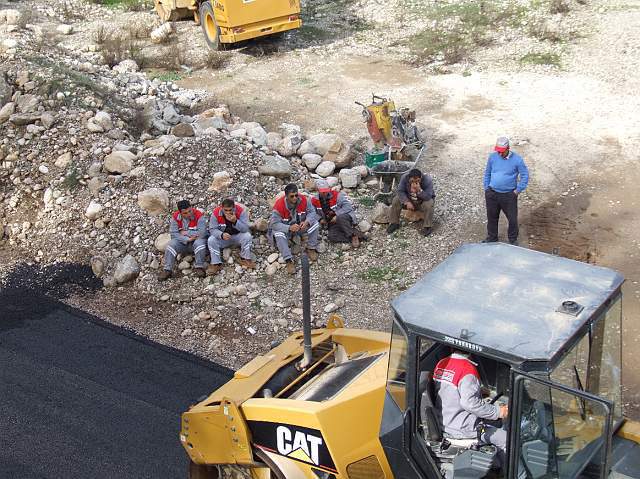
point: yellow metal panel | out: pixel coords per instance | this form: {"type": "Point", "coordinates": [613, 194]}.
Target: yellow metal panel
{"type": "Point", "coordinates": [630, 430]}
{"type": "Point", "coordinates": [252, 366]}
{"type": "Point", "coordinates": [244, 12]}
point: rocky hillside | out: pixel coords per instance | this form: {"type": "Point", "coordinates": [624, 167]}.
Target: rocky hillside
{"type": "Point", "coordinates": [94, 157]}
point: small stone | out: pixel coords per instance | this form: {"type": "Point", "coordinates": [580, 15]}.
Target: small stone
{"type": "Point", "coordinates": [330, 308]}
{"type": "Point", "coordinates": [186, 332]}
{"type": "Point", "coordinates": [273, 257]}
{"type": "Point", "coordinates": [182, 130]}
{"type": "Point", "coordinates": [364, 226]}
{"type": "Point", "coordinates": [381, 213]}
{"type": "Point", "coordinates": [271, 269]}
{"type": "Point", "coordinates": [93, 210]}
{"type": "Point", "coordinates": [127, 270]}
{"type": "Point", "coordinates": [311, 160]}
{"type": "Point", "coordinates": [349, 177]}
{"type": "Point", "coordinates": [154, 201]}
{"type": "Point", "coordinates": [161, 242]}
{"type": "Point", "coordinates": [222, 293]}
{"type": "Point", "coordinates": [325, 168]}
{"type": "Point", "coordinates": [221, 181]}
{"type": "Point", "coordinates": [63, 160]}
{"type": "Point", "coordinates": [119, 162]}
{"type": "Point", "coordinates": [65, 29]}
{"type": "Point", "coordinates": [97, 266]}
{"type": "Point", "coordinates": [44, 169]}
{"type": "Point", "coordinates": [204, 316]}
{"type": "Point", "coordinates": [165, 297]}
{"type": "Point", "coordinates": [240, 290]}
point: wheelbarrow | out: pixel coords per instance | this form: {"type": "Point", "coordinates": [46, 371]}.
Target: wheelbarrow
{"type": "Point", "coordinates": [389, 173]}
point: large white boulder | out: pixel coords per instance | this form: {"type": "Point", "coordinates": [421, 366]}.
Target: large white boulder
{"type": "Point", "coordinates": [118, 162]}
{"type": "Point", "coordinates": [325, 168]}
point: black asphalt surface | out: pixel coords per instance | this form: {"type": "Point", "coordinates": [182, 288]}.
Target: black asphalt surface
{"type": "Point", "coordinates": [80, 398]}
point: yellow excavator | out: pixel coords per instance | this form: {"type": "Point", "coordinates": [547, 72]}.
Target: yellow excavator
{"type": "Point", "coordinates": [230, 21]}
{"type": "Point", "coordinates": [340, 403]}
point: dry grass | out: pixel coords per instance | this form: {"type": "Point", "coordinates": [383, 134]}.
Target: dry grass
{"type": "Point", "coordinates": [559, 6]}
{"type": "Point", "coordinates": [117, 48]}
{"type": "Point", "coordinates": [100, 35]}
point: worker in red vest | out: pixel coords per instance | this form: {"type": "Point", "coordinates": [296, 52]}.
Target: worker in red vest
{"type": "Point", "coordinates": [188, 235]}
{"type": "Point", "coordinates": [336, 213]}
{"type": "Point", "coordinates": [293, 215]}
{"type": "Point", "coordinates": [229, 226]}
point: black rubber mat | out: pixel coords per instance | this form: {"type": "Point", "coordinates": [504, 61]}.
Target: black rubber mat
{"type": "Point", "coordinates": [81, 398]}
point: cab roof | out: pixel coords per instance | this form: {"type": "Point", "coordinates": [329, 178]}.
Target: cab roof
{"type": "Point", "coordinates": [506, 301]}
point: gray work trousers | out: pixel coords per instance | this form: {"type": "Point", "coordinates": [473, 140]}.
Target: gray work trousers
{"type": "Point", "coordinates": [425, 206]}
{"type": "Point", "coordinates": [282, 240]}
{"type": "Point", "coordinates": [175, 247]}
{"type": "Point", "coordinates": [216, 245]}
{"type": "Point", "coordinates": [342, 230]}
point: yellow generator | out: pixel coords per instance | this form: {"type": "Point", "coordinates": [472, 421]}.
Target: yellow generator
{"type": "Point", "coordinates": [230, 21]}
{"type": "Point", "coordinates": [544, 333]}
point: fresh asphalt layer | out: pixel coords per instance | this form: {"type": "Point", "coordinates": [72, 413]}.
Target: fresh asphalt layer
{"type": "Point", "coordinates": [81, 398]}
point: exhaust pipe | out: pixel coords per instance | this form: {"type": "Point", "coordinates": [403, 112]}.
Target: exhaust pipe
{"type": "Point", "coordinates": [306, 312]}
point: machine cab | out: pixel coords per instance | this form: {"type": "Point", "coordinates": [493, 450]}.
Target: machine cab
{"type": "Point", "coordinates": [544, 336]}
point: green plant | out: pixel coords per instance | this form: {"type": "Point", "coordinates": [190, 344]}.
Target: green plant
{"type": "Point", "coordinates": [378, 274]}
{"type": "Point", "coordinates": [541, 59]}
{"type": "Point", "coordinates": [366, 201]}
{"type": "Point", "coordinates": [311, 32]}
{"type": "Point", "coordinates": [167, 76]}
{"type": "Point", "coordinates": [71, 179]}
{"type": "Point", "coordinates": [130, 5]}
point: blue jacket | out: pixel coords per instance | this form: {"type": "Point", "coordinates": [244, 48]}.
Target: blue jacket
{"type": "Point", "coordinates": [501, 174]}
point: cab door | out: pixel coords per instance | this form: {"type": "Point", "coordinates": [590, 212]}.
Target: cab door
{"type": "Point", "coordinates": [557, 432]}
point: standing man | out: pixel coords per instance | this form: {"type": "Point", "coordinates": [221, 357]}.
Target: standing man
{"type": "Point", "coordinates": [228, 226]}
{"type": "Point", "coordinates": [505, 177]}
{"type": "Point", "coordinates": [336, 213]}
{"type": "Point", "coordinates": [188, 235]}
{"type": "Point", "coordinates": [414, 192]}
{"type": "Point", "coordinates": [293, 215]}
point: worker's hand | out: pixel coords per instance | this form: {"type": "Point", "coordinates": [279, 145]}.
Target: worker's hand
{"type": "Point", "coordinates": [409, 205]}
{"type": "Point", "coordinates": [416, 189]}
{"type": "Point", "coordinates": [516, 192]}
{"type": "Point", "coordinates": [504, 411]}
{"type": "Point", "coordinates": [323, 222]}
{"type": "Point", "coordinates": [294, 228]}
{"type": "Point", "coordinates": [231, 217]}
{"type": "Point", "coordinates": [304, 226]}
{"type": "Point", "coordinates": [334, 219]}
{"type": "Point", "coordinates": [226, 236]}
{"type": "Point", "coordinates": [192, 239]}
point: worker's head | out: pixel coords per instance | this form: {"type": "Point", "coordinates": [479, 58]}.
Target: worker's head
{"type": "Point", "coordinates": [291, 193]}
{"type": "Point", "coordinates": [323, 187]}
{"type": "Point", "coordinates": [502, 146]}
{"type": "Point", "coordinates": [185, 209]}
{"type": "Point", "coordinates": [415, 177]}
{"type": "Point", "coordinates": [228, 205]}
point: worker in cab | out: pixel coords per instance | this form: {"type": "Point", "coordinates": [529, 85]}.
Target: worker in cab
{"type": "Point", "coordinates": [336, 213]}
{"type": "Point", "coordinates": [188, 229]}
{"type": "Point", "coordinates": [459, 400]}
{"type": "Point", "coordinates": [228, 227]}
{"type": "Point", "coordinates": [293, 215]}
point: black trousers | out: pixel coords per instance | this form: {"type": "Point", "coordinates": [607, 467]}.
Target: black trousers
{"type": "Point", "coordinates": [508, 204]}
{"type": "Point", "coordinates": [342, 230]}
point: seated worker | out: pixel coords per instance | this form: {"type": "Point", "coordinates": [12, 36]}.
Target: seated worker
{"type": "Point", "coordinates": [228, 226]}
{"type": "Point", "coordinates": [459, 398]}
{"type": "Point", "coordinates": [414, 192]}
{"type": "Point", "coordinates": [188, 230]}
{"type": "Point", "coordinates": [336, 213]}
{"type": "Point", "coordinates": [293, 215]}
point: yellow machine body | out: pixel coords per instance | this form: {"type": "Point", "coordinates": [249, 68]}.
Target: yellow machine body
{"type": "Point", "coordinates": [238, 20]}
{"type": "Point", "coordinates": [380, 111]}
{"type": "Point", "coordinates": [338, 435]}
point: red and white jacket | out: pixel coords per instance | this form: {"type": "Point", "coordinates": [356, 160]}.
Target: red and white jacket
{"type": "Point", "coordinates": [217, 223]}
{"type": "Point", "coordinates": [197, 226]}
{"type": "Point", "coordinates": [459, 396]}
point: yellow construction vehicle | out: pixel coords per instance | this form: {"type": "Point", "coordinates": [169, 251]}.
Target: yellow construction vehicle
{"type": "Point", "coordinates": [338, 403]}
{"type": "Point", "coordinates": [230, 21]}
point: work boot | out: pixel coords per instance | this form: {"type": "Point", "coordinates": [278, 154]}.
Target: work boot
{"type": "Point", "coordinates": [427, 231]}
{"type": "Point", "coordinates": [489, 240]}
{"type": "Point", "coordinates": [312, 254]}
{"type": "Point", "coordinates": [164, 275]}
{"type": "Point", "coordinates": [513, 242]}
{"type": "Point", "coordinates": [213, 269]}
{"type": "Point", "coordinates": [392, 228]}
{"type": "Point", "coordinates": [247, 263]}
{"type": "Point", "coordinates": [291, 268]}
{"type": "Point", "coordinates": [199, 272]}
{"type": "Point", "coordinates": [355, 241]}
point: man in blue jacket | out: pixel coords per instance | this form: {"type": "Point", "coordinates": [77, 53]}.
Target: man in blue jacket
{"type": "Point", "coordinates": [505, 177]}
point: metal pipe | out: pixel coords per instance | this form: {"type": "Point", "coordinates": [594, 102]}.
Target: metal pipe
{"type": "Point", "coordinates": [306, 311]}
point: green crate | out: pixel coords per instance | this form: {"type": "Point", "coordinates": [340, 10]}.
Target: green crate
{"type": "Point", "coordinates": [374, 157]}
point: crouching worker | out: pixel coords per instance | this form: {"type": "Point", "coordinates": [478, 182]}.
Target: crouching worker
{"type": "Point", "coordinates": [336, 213]}
{"type": "Point", "coordinates": [293, 215]}
{"type": "Point", "coordinates": [229, 226]}
{"type": "Point", "coordinates": [414, 192]}
{"type": "Point", "coordinates": [188, 235]}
